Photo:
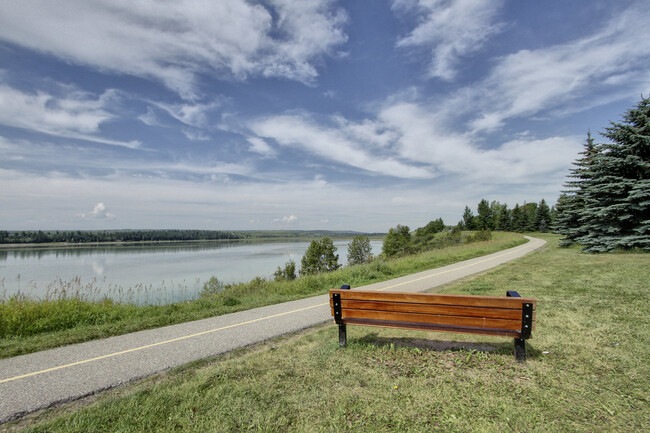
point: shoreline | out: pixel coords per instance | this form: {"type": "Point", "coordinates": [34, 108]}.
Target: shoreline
{"type": "Point", "coordinates": [172, 242]}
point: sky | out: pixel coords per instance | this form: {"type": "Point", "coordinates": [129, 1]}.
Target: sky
{"type": "Point", "coordinates": [312, 114]}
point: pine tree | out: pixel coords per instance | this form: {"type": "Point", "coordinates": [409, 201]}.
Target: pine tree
{"type": "Point", "coordinates": [528, 217]}
{"type": "Point", "coordinates": [516, 224]}
{"type": "Point", "coordinates": [542, 217]}
{"type": "Point", "coordinates": [571, 204]}
{"type": "Point", "coordinates": [617, 198]}
{"type": "Point", "coordinates": [469, 220]}
{"type": "Point", "coordinates": [503, 220]}
{"type": "Point", "coordinates": [485, 219]}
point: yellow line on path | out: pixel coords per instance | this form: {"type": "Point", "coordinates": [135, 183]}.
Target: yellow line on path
{"type": "Point", "coordinates": [135, 349]}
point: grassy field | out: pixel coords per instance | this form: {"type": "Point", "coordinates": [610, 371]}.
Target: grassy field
{"type": "Point", "coordinates": [587, 369]}
{"type": "Point", "coordinates": [28, 325]}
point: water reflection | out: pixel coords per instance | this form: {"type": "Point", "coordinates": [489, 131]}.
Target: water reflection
{"type": "Point", "coordinates": [145, 273]}
{"type": "Point", "coordinates": [83, 250]}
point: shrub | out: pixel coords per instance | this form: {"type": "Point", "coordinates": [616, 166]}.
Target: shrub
{"type": "Point", "coordinates": [212, 287]}
{"type": "Point", "coordinates": [288, 273]}
{"type": "Point", "coordinates": [483, 235]}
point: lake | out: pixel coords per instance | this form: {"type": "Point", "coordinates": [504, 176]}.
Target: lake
{"type": "Point", "coordinates": [142, 274]}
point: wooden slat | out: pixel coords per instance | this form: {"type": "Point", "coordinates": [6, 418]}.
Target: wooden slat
{"type": "Point", "coordinates": [430, 327]}
{"type": "Point", "coordinates": [459, 321]}
{"type": "Point", "coordinates": [434, 298]}
{"type": "Point", "coordinates": [516, 316]}
{"type": "Point", "coordinates": [448, 310]}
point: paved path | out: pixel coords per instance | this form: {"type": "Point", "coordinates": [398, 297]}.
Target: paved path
{"type": "Point", "coordinates": [39, 380]}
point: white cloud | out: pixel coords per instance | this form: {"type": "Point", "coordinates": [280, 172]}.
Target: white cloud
{"type": "Point", "coordinates": [261, 147]}
{"type": "Point", "coordinates": [87, 161]}
{"type": "Point", "coordinates": [44, 112]}
{"type": "Point", "coordinates": [423, 137]}
{"type": "Point", "coordinates": [174, 41]}
{"type": "Point", "coordinates": [414, 141]}
{"type": "Point", "coordinates": [99, 212]}
{"type": "Point", "coordinates": [150, 118]}
{"type": "Point", "coordinates": [76, 115]}
{"type": "Point", "coordinates": [195, 135]}
{"type": "Point", "coordinates": [450, 29]}
{"type": "Point", "coordinates": [531, 81]}
{"type": "Point", "coordinates": [195, 115]}
{"type": "Point", "coordinates": [289, 219]}
{"type": "Point", "coordinates": [333, 144]}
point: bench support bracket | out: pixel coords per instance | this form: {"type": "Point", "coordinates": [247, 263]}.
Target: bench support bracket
{"type": "Point", "coordinates": [526, 320]}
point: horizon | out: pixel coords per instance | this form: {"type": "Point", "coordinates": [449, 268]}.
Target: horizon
{"type": "Point", "coordinates": [320, 115]}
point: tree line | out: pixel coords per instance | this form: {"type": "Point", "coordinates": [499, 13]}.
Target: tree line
{"type": "Point", "coordinates": [529, 217]}
{"type": "Point", "coordinates": [490, 216]}
{"type": "Point", "coordinates": [79, 236]}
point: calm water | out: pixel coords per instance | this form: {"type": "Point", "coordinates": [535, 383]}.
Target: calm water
{"type": "Point", "coordinates": [145, 274]}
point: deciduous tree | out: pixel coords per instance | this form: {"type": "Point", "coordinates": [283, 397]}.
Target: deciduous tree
{"type": "Point", "coordinates": [320, 257]}
{"type": "Point", "coordinates": [397, 241]}
{"type": "Point", "coordinates": [359, 250]}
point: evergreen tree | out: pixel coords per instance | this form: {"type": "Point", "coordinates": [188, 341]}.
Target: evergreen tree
{"type": "Point", "coordinates": [528, 217]}
{"type": "Point", "coordinates": [517, 220]}
{"type": "Point", "coordinates": [485, 219]}
{"type": "Point", "coordinates": [617, 197]}
{"type": "Point", "coordinates": [469, 219]}
{"type": "Point", "coordinates": [542, 217]}
{"type": "Point", "coordinates": [495, 206]}
{"type": "Point", "coordinates": [503, 219]}
{"type": "Point", "coordinates": [571, 204]}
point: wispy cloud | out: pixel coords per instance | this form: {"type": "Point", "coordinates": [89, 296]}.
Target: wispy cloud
{"type": "Point", "coordinates": [334, 144]}
{"type": "Point", "coordinates": [261, 147]}
{"type": "Point", "coordinates": [613, 60]}
{"type": "Point", "coordinates": [451, 30]}
{"type": "Point", "coordinates": [92, 162]}
{"type": "Point", "coordinates": [76, 115]}
{"type": "Point", "coordinates": [174, 41]}
{"type": "Point", "coordinates": [190, 114]}
{"type": "Point", "coordinates": [411, 140]}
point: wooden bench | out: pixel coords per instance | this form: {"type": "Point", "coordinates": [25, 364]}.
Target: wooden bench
{"type": "Point", "coordinates": [506, 316]}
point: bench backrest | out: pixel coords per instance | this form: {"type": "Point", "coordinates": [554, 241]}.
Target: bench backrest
{"type": "Point", "coordinates": [488, 315]}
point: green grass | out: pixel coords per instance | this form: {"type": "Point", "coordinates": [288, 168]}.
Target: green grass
{"type": "Point", "coordinates": [587, 369]}
{"type": "Point", "coordinates": [28, 325]}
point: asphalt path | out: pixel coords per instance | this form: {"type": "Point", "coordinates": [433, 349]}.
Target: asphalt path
{"type": "Point", "coordinates": [40, 380]}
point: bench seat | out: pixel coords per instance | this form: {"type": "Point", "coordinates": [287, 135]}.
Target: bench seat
{"type": "Point", "coordinates": [505, 316]}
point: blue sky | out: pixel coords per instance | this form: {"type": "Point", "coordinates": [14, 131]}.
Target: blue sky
{"type": "Point", "coordinates": [313, 114]}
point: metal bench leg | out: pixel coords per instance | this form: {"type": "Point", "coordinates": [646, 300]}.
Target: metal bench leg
{"type": "Point", "coordinates": [343, 338]}
{"type": "Point", "coordinates": [520, 349]}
